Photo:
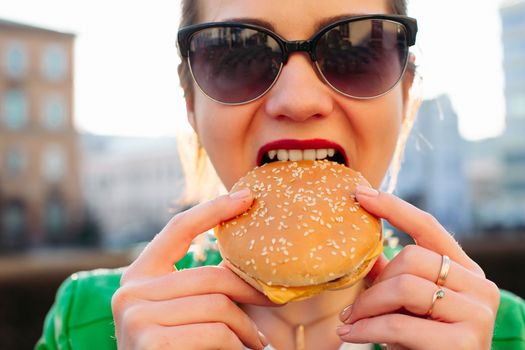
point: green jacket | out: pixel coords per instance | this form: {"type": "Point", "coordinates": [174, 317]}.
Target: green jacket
{"type": "Point", "coordinates": [81, 315]}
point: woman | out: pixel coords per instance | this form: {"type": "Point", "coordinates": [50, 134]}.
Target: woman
{"type": "Point", "coordinates": [240, 98]}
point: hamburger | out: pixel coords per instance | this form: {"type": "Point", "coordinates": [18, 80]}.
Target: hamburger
{"type": "Point", "coordinates": [304, 233]}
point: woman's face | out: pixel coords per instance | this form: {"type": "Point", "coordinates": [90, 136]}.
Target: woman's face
{"type": "Point", "coordinates": [300, 106]}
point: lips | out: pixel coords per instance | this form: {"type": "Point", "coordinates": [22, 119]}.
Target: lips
{"type": "Point", "coordinates": [289, 149]}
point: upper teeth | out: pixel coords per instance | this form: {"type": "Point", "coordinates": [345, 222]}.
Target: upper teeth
{"type": "Point", "coordinates": [298, 154]}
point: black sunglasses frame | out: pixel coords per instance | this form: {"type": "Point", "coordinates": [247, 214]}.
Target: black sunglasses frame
{"type": "Point", "coordinates": [288, 47]}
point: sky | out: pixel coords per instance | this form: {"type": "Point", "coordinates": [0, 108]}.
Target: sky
{"type": "Point", "coordinates": [126, 61]}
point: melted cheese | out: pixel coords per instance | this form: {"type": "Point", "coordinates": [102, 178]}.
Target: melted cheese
{"type": "Point", "coordinates": [282, 295]}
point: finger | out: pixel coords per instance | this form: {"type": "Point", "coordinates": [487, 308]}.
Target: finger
{"type": "Point", "coordinates": [193, 336]}
{"type": "Point", "coordinates": [210, 308]}
{"type": "Point", "coordinates": [379, 266]}
{"type": "Point", "coordinates": [421, 226]}
{"type": "Point", "coordinates": [172, 243]}
{"type": "Point", "coordinates": [424, 263]}
{"type": "Point", "coordinates": [399, 329]}
{"type": "Point", "coordinates": [414, 294]}
{"type": "Point", "coordinates": [196, 281]}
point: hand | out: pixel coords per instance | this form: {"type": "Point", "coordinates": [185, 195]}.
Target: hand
{"type": "Point", "coordinates": [394, 309]}
{"type": "Point", "coordinates": [157, 307]}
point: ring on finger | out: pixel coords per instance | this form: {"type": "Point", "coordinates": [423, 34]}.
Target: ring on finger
{"type": "Point", "coordinates": [438, 294]}
{"type": "Point", "coordinates": [443, 272]}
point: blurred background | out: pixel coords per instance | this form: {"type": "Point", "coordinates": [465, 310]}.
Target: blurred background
{"type": "Point", "coordinates": [91, 119]}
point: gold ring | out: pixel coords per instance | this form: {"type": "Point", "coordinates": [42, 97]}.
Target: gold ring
{"type": "Point", "coordinates": [438, 294]}
{"type": "Point", "coordinates": [443, 272]}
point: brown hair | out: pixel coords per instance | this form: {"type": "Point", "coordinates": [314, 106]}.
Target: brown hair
{"type": "Point", "coordinates": [190, 15]}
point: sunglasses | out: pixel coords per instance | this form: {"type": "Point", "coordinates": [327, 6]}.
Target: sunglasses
{"type": "Point", "coordinates": [361, 57]}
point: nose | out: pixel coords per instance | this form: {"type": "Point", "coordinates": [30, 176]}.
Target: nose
{"type": "Point", "coordinates": [299, 93]}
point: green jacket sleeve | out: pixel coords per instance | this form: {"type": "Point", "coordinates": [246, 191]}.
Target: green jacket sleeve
{"type": "Point", "coordinates": [81, 315]}
{"type": "Point", "coordinates": [509, 330]}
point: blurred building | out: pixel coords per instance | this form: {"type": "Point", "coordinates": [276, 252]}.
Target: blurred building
{"type": "Point", "coordinates": [39, 184]}
{"type": "Point", "coordinates": [132, 185]}
{"type": "Point", "coordinates": [496, 167]}
{"type": "Point", "coordinates": [513, 140]}
{"type": "Point", "coordinates": [432, 175]}
{"type": "Point", "coordinates": [513, 38]}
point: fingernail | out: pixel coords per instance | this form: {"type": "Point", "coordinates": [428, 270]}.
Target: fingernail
{"type": "Point", "coordinates": [241, 194]}
{"type": "Point", "coordinates": [344, 330]}
{"type": "Point", "coordinates": [263, 339]}
{"type": "Point", "coordinates": [366, 191]}
{"type": "Point", "coordinates": [345, 314]}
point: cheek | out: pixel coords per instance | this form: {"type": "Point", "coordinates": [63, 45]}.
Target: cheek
{"type": "Point", "coordinates": [377, 132]}
{"type": "Point", "coordinates": [223, 132]}
{"type": "Point", "coordinates": [210, 118]}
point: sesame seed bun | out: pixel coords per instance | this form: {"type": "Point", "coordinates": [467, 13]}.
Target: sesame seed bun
{"type": "Point", "coordinates": [304, 233]}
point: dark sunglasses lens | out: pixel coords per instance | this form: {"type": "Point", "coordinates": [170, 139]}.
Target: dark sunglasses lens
{"type": "Point", "coordinates": [234, 64]}
{"type": "Point", "coordinates": [363, 58]}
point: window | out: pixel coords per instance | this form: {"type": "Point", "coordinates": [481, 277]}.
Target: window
{"type": "Point", "coordinates": [13, 219]}
{"type": "Point", "coordinates": [54, 113]}
{"type": "Point", "coordinates": [54, 62]}
{"type": "Point", "coordinates": [516, 105]}
{"type": "Point", "coordinates": [16, 162]}
{"type": "Point", "coordinates": [16, 60]}
{"type": "Point", "coordinates": [512, 20]}
{"type": "Point", "coordinates": [54, 217]}
{"type": "Point", "coordinates": [515, 158]}
{"type": "Point", "coordinates": [15, 109]}
{"type": "Point", "coordinates": [53, 163]}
